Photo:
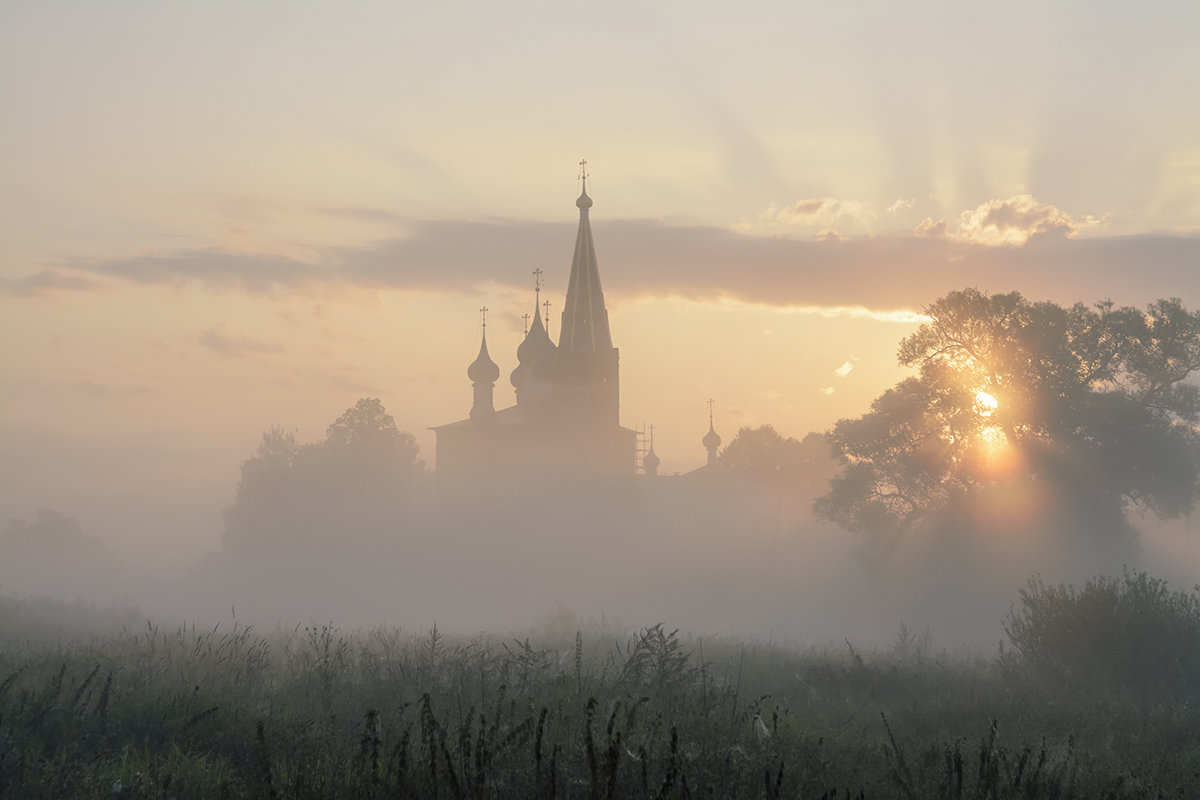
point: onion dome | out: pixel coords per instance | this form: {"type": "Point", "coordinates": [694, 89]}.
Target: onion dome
{"type": "Point", "coordinates": [650, 462]}
{"type": "Point", "coordinates": [584, 201]}
{"type": "Point", "coordinates": [483, 369]}
{"type": "Point", "coordinates": [712, 439]}
{"type": "Point", "coordinates": [537, 345]}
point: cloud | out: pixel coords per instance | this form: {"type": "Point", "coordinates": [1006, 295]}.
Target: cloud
{"type": "Point", "coordinates": [235, 346]}
{"type": "Point", "coordinates": [1007, 222]}
{"type": "Point", "coordinates": [357, 213]}
{"type": "Point", "coordinates": [45, 282]}
{"type": "Point", "coordinates": [845, 369]}
{"type": "Point", "coordinates": [807, 208]}
{"type": "Point", "coordinates": [928, 229]}
{"type": "Point", "coordinates": [901, 205]}
{"type": "Point", "coordinates": [860, 312]}
{"type": "Point", "coordinates": [218, 268]}
{"type": "Point", "coordinates": [1013, 221]}
{"type": "Point", "coordinates": [819, 213]}
{"type": "Point", "coordinates": [876, 276]}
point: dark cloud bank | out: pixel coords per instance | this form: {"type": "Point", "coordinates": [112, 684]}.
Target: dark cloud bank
{"type": "Point", "coordinates": [644, 257]}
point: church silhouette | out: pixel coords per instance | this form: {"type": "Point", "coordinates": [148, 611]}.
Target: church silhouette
{"type": "Point", "coordinates": [566, 420]}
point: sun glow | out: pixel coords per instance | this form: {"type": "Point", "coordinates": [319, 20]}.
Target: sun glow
{"type": "Point", "coordinates": [997, 457]}
{"type": "Point", "coordinates": [985, 404]}
{"type": "Point", "coordinates": [993, 437]}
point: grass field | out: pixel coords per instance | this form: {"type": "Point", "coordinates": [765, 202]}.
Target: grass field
{"type": "Point", "coordinates": [92, 705]}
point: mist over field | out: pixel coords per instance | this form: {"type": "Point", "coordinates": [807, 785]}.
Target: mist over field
{"type": "Point", "coordinates": [738, 557]}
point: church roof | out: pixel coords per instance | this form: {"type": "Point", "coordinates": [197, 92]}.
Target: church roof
{"type": "Point", "coordinates": [511, 417]}
{"type": "Point", "coordinates": [584, 317]}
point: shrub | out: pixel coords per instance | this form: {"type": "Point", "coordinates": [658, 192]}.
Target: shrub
{"type": "Point", "coordinates": [1131, 632]}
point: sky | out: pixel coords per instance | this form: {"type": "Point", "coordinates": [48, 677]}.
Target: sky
{"type": "Point", "coordinates": [218, 217]}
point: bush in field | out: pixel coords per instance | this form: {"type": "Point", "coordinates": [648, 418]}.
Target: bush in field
{"type": "Point", "coordinates": [1131, 632]}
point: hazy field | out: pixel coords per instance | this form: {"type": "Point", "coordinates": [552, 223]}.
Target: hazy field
{"type": "Point", "coordinates": [104, 703]}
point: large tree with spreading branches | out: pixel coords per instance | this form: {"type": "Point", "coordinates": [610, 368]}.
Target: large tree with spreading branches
{"type": "Point", "coordinates": [1087, 408]}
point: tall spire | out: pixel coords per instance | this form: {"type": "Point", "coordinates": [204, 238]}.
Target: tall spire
{"type": "Point", "coordinates": [584, 317]}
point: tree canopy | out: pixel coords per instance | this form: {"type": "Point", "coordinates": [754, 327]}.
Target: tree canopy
{"type": "Point", "coordinates": [1092, 405]}
{"type": "Point", "coordinates": [357, 474]}
{"type": "Point", "coordinates": [365, 446]}
{"type": "Point", "coordinates": [767, 456]}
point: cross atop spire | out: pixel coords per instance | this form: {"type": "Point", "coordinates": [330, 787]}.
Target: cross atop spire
{"type": "Point", "coordinates": [710, 408]}
{"type": "Point", "coordinates": [537, 279]}
{"type": "Point", "coordinates": [584, 202]}
{"type": "Point", "coordinates": [546, 305]}
{"type": "Point", "coordinates": [525, 319]}
{"type": "Point", "coordinates": [483, 311]}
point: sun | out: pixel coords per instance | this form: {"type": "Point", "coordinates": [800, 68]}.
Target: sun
{"type": "Point", "coordinates": [997, 457]}
{"type": "Point", "coordinates": [985, 404]}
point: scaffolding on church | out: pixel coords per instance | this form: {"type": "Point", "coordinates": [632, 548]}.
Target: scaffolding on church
{"type": "Point", "coordinates": [639, 451]}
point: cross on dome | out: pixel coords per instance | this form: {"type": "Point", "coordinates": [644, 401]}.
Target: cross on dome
{"type": "Point", "coordinates": [584, 202]}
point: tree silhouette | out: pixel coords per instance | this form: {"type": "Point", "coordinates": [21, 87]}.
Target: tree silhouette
{"type": "Point", "coordinates": [269, 472]}
{"type": "Point", "coordinates": [767, 456]}
{"type": "Point", "coordinates": [365, 449]}
{"type": "Point", "coordinates": [1090, 405]}
{"type": "Point", "coordinates": [358, 476]}
{"type": "Point", "coordinates": [51, 553]}
{"type": "Point", "coordinates": [368, 425]}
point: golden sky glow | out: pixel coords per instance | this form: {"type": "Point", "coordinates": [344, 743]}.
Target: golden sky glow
{"type": "Point", "coordinates": [218, 217]}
